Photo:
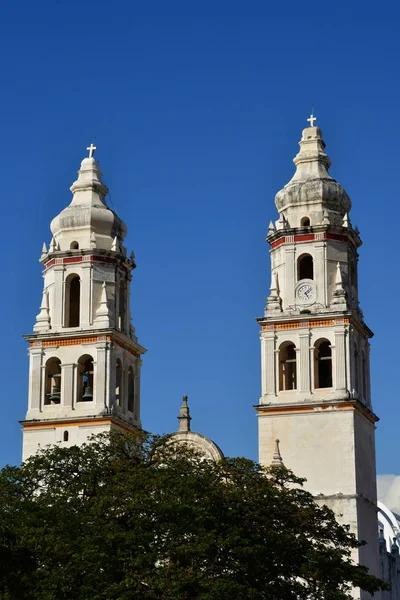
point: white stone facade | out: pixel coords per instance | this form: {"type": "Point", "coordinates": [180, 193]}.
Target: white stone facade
{"type": "Point", "coordinates": [85, 360]}
{"type": "Point", "coordinates": [315, 376]}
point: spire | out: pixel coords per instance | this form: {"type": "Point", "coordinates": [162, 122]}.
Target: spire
{"type": "Point", "coordinates": [274, 300]}
{"type": "Point", "coordinates": [102, 314]}
{"type": "Point", "coordinates": [43, 318]}
{"type": "Point", "coordinates": [339, 294]}
{"type": "Point", "coordinates": [184, 415]}
{"type": "Point", "coordinates": [271, 228]}
{"type": "Point", "coordinates": [115, 246]}
{"type": "Point", "coordinates": [277, 458]}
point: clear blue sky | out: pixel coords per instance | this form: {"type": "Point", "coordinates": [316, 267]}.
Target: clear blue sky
{"type": "Point", "coordinates": [197, 109]}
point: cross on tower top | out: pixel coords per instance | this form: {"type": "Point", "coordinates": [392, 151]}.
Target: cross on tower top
{"type": "Point", "coordinates": [91, 149]}
{"type": "Point", "coordinates": [311, 119]}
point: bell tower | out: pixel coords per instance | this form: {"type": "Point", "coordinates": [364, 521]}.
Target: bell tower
{"type": "Point", "coordinates": [315, 393]}
{"type": "Point", "coordinates": [84, 356]}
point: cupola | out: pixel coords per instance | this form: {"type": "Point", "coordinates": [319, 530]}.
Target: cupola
{"type": "Point", "coordinates": [312, 193]}
{"type": "Point", "coordinates": [88, 222]}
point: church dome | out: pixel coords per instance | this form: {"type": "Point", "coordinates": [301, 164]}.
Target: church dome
{"type": "Point", "coordinates": [88, 219]}
{"type": "Point", "coordinates": [312, 190]}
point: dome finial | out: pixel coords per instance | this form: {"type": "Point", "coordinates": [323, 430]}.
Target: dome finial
{"type": "Point", "coordinates": [91, 149]}
{"type": "Point", "coordinates": [184, 415]}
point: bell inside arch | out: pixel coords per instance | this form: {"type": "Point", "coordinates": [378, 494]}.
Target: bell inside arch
{"type": "Point", "coordinates": [55, 391]}
{"type": "Point", "coordinates": [87, 388]}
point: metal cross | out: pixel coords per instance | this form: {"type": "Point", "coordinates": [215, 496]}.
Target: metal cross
{"type": "Point", "coordinates": [91, 149]}
{"type": "Point", "coordinates": [311, 120]}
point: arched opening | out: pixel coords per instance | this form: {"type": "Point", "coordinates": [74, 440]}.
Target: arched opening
{"type": "Point", "coordinates": [53, 381]}
{"type": "Point", "coordinates": [118, 383]}
{"type": "Point", "coordinates": [72, 300]}
{"type": "Point", "coordinates": [305, 267]}
{"type": "Point", "coordinates": [122, 305]}
{"type": "Point", "coordinates": [287, 367]}
{"type": "Point", "coordinates": [66, 436]}
{"type": "Point", "coordinates": [356, 373]}
{"type": "Point", "coordinates": [305, 222]}
{"type": "Point", "coordinates": [364, 375]}
{"type": "Point", "coordinates": [85, 379]}
{"type": "Point", "coordinates": [74, 246]}
{"type": "Point", "coordinates": [323, 364]}
{"type": "Point", "coordinates": [131, 390]}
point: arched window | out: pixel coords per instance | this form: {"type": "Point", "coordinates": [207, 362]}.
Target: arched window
{"type": "Point", "coordinates": [85, 379]}
{"type": "Point", "coordinates": [131, 390]}
{"type": "Point", "coordinates": [305, 222]}
{"type": "Point", "coordinates": [305, 267]}
{"type": "Point", "coordinates": [323, 364]}
{"type": "Point", "coordinates": [72, 300]}
{"type": "Point", "coordinates": [53, 381]}
{"type": "Point", "coordinates": [356, 373]}
{"type": "Point", "coordinates": [118, 383]}
{"type": "Point", "coordinates": [364, 375]}
{"type": "Point", "coordinates": [74, 246]}
{"type": "Point", "coordinates": [122, 305]}
{"type": "Point", "coordinates": [66, 436]}
{"type": "Point", "coordinates": [287, 367]}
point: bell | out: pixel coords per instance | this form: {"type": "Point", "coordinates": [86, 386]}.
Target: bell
{"type": "Point", "coordinates": [55, 395]}
{"type": "Point", "coordinates": [88, 393]}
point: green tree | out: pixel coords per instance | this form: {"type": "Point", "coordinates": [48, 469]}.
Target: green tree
{"type": "Point", "coordinates": [137, 517]}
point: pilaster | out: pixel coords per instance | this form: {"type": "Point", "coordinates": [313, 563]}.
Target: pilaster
{"type": "Point", "coordinates": [86, 295]}
{"type": "Point", "coordinates": [340, 360]}
{"type": "Point", "coordinates": [35, 378]}
{"type": "Point", "coordinates": [101, 394]}
{"type": "Point", "coordinates": [57, 318]}
{"type": "Point", "coordinates": [290, 269]}
{"type": "Point", "coordinates": [303, 362]}
{"type": "Point", "coordinates": [67, 385]}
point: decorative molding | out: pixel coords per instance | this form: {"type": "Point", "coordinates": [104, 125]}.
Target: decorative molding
{"type": "Point", "coordinates": [305, 324]}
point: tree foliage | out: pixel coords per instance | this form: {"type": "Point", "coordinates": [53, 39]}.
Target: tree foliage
{"type": "Point", "coordinates": [137, 517]}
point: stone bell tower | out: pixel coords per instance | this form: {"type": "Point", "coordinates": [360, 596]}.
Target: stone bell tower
{"type": "Point", "coordinates": [314, 348]}
{"type": "Point", "coordinates": [84, 372]}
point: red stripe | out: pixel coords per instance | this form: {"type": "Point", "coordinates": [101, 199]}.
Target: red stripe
{"type": "Point", "coordinates": [308, 237]}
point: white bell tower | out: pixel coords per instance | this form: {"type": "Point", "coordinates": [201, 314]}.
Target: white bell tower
{"type": "Point", "coordinates": [315, 351]}
{"type": "Point", "coordinates": [84, 373]}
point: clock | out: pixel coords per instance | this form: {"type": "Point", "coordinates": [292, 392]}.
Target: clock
{"type": "Point", "coordinates": [305, 293]}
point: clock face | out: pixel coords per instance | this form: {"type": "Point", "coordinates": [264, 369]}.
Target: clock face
{"type": "Point", "coordinates": [305, 293]}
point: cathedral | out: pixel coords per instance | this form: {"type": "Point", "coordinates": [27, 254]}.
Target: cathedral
{"type": "Point", "coordinates": [314, 413]}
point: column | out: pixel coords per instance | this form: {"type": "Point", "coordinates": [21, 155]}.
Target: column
{"type": "Point", "coordinates": [112, 377]}
{"type": "Point", "coordinates": [57, 316]}
{"type": "Point", "coordinates": [303, 363]}
{"type": "Point", "coordinates": [320, 272]}
{"type": "Point", "coordinates": [368, 374]}
{"type": "Point", "coordinates": [290, 277]}
{"type": "Point", "coordinates": [312, 366]}
{"type": "Point", "coordinates": [67, 384]}
{"type": "Point", "coordinates": [268, 363]}
{"type": "Point", "coordinates": [85, 300]}
{"type": "Point", "coordinates": [263, 365]}
{"type": "Point", "coordinates": [128, 304]}
{"type": "Point", "coordinates": [137, 389]}
{"type": "Point", "coordinates": [35, 378]}
{"type": "Point", "coordinates": [340, 360]}
{"type": "Point", "coordinates": [101, 376]}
